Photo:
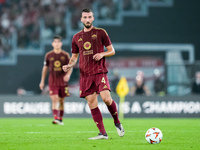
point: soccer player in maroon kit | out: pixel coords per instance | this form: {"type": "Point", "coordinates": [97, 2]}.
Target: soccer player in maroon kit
{"type": "Point", "coordinates": [58, 79]}
{"type": "Point", "coordinates": [89, 44]}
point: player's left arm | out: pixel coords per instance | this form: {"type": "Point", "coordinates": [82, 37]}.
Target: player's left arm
{"type": "Point", "coordinates": [110, 52]}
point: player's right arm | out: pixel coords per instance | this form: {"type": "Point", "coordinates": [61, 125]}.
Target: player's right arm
{"type": "Point", "coordinates": [43, 76]}
{"type": "Point", "coordinates": [71, 63]}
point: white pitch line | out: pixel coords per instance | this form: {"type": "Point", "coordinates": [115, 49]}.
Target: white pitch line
{"type": "Point", "coordinates": [71, 132]}
{"type": "Point", "coordinates": [28, 125]}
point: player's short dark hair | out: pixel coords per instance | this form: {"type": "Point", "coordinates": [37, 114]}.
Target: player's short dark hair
{"type": "Point", "coordinates": [86, 10]}
{"type": "Point", "coordinates": [57, 37]}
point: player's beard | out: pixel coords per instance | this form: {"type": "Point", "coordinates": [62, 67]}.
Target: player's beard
{"type": "Point", "coordinates": [87, 25]}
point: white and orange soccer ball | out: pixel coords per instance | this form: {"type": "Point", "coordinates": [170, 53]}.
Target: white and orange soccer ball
{"type": "Point", "coordinates": [154, 135]}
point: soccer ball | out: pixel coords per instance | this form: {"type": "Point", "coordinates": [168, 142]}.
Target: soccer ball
{"type": "Point", "coordinates": [154, 136]}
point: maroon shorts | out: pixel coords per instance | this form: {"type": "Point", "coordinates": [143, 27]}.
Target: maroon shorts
{"type": "Point", "coordinates": [95, 83]}
{"type": "Point", "coordinates": [61, 91]}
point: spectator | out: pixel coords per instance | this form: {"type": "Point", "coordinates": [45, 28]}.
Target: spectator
{"type": "Point", "coordinates": [159, 86]}
{"type": "Point", "coordinates": [140, 87]}
{"type": "Point", "coordinates": [196, 83]}
{"type": "Point", "coordinates": [1, 51]}
{"type": "Point", "coordinates": [107, 9]}
{"type": "Point", "coordinates": [22, 92]}
{"type": "Point", "coordinates": [115, 81]}
{"type": "Point", "coordinates": [132, 5]}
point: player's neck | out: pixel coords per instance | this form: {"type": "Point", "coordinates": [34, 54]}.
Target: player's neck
{"type": "Point", "coordinates": [57, 50]}
{"type": "Point", "coordinates": [88, 29]}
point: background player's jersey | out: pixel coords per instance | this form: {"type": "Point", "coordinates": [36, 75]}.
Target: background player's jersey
{"type": "Point", "coordinates": [87, 44]}
{"type": "Point", "coordinates": [55, 62]}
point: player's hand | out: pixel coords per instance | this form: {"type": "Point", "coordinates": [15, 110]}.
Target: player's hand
{"type": "Point", "coordinates": [41, 85]}
{"type": "Point", "coordinates": [98, 56]}
{"type": "Point", "coordinates": [66, 68]}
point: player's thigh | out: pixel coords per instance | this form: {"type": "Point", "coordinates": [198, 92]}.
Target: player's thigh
{"type": "Point", "coordinates": [92, 100]}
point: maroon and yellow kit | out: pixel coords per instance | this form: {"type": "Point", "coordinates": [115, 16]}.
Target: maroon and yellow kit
{"type": "Point", "coordinates": [87, 44]}
{"type": "Point", "coordinates": [56, 82]}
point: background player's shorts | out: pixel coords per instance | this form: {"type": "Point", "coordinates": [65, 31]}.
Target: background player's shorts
{"type": "Point", "coordinates": [95, 83]}
{"type": "Point", "coordinates": [61, 91]}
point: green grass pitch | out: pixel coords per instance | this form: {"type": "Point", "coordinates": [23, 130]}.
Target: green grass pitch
{"type": "Point", "coordinates": [40, 134]}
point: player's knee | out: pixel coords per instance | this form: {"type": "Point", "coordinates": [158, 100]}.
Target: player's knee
{"type": "Point", "coordinates": [92, 104]}
{"type": "Point", "coordinates": [61, 104]}
{"type": "Point", "coordinates": [107, 100]}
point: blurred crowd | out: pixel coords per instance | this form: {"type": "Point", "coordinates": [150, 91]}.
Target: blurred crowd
{"type": "Point", "coordinates": [33, 20]}
{"type": "Point", "coordinates": [25, 23]}
{"type": "Point", "coordinates": [159, 87]}
{"type": "Point", "coordinates": [23, 18]}
{"type": "Point", "coordinates": [134, 5]}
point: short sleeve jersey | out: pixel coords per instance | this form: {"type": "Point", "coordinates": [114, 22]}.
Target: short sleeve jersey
{"type": "Point", "coordinates": [55, 62]}
{"type": "Point", "coordinates": [87, 44]}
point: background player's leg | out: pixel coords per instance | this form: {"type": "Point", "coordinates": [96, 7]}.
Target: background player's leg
{"type": "Point", "coordinates": [61, 108]}
{"type": "Point", "coordinates": [55, 99]}
{"type": "Point", "coordinates": [96, 114]}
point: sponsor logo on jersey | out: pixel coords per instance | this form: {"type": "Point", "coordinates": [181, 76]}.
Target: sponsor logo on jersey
{"type": "Point", "coordinates": [51, 58]}
{"type": "Point", "coordinates": [62, 58]}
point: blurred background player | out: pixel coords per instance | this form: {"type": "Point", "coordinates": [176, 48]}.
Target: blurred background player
{"type": "Point", "coordinates": [58, 79]}
{"type": "Point", "coordinates": [140, 88]}
{"type": "Point", "coordinates": [115, 80]}
{"type": "Point", "coordinates": [89, 44]}
{"type": "Point", "coordinates": [196, 83]}
{"type": "Point", "coordinates": [158, 84]}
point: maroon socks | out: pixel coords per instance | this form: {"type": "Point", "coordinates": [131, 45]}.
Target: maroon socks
{"type": "Point", "coordinates": [113, 111]}
{"type": "Point", "coordinates": [58, 114]}
{"type": "Point", "coordinates": [55, 113]}
{"type": "Point", "coordinates": [98, 119]}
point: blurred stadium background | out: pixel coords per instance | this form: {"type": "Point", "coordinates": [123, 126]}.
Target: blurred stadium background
{"type": "Point", "coordinates": [146, 34]}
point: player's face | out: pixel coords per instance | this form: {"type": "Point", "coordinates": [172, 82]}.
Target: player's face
{"type": "Point", "coordinates": [87, 19]}
{"type": "Point", "coordinates": [57, 44]}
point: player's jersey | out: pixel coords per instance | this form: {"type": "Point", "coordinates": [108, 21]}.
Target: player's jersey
{"type": "Point", "coordinates": [87, 44]}
{"type": "Point", "coordinates": [55, 62]}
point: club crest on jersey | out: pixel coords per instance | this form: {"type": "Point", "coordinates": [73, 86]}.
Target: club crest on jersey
{"type": "Point", "coordinates": [57, 63]}
{"type": "Point", "coordinates": [94, 36]}
{"type": "Point", "coordinates": [87, 45]}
